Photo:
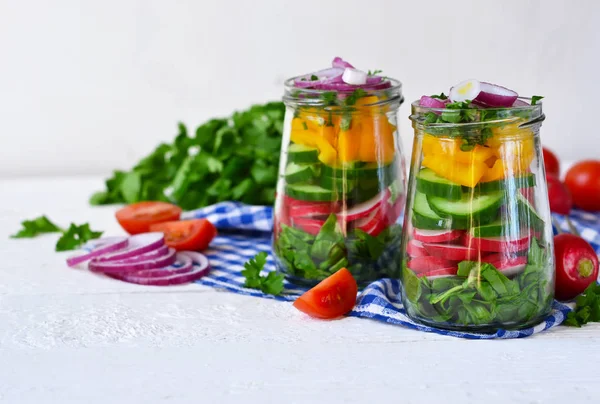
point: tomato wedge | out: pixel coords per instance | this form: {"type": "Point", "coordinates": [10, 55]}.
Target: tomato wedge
{"type": "Point", "coordinates": [187, 235]}
{"type": "Point", "coordinates": [332, 297]}
{"type": "Point", "coordinates": [138, 217]}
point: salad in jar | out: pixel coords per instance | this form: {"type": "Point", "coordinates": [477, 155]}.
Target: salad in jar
{"type": "Point", "coordinates": [340, 193]}
{"type": "Point", "coordinates": [477, 244]}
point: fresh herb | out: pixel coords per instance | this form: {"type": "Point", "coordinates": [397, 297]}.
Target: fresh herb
{"type": "Point", "coordinates": [72, 238]}
{"type": "Point", "coordinates": [75, 236]}
{"type": "Point", "coordinates": [353, 98]}
{"type": "Point", "coordinates": [314, 78]}
{"type": "Point", "coordinates": [441, 96]}
{"type": "Point", "coordinates": [535, 99]}
{"type": "Point", "coordinates": [271, 284]}
{"type": "Point", "coordinates": [215, 163]}
{"type": "Point", "coordinates": [587, 309]}
{"type": "Point", "coordinates": [304, 125]}
{"type": "Point", "coordinates": [374, 72]}
{"type": "Point", "coordinates": [35, 227]}
{"type": "Point", "coordinates": [328, 97]}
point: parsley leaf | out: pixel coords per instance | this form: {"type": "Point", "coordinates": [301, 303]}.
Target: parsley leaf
{"type": "Point", "coordinates": [35, 227]}
{"type": "Point", "coordinates": [442, 96]}
{"type": "Point", "coordinates": [76, 236]}
{"type": "Point", "coordinates": [329, 97]}
{"type": "Point", "coordinates": [271, 284]}
{"type": "Point", "coordinates": [374, 72]}
{"type": "Point", "coordinates": [587, 309]}
{"type": "Point", "coordinates": [314, 78]}
{"type": "Point", "coordinates": [356, 94]}
{"type": "Point", "coordinates": [72, 238]}
{"type": "Point", "coordinates": [535, 99]}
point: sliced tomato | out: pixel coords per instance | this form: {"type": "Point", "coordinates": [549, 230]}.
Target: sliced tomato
{"type": "Point", "coordinates": [187, 235]}
{"type": "Point", "coordinates": [332, 297]}
{"type": "Point", "coordinates": [138, 217]}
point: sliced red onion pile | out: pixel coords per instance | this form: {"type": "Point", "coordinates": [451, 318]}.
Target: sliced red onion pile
{"type": "Point", "coordinates": [341, 77]}
{"type": "Point", "coordinates": [143, 259]}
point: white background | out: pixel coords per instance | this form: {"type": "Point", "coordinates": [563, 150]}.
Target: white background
{"type": "Point", "coordinates": [88, 86]}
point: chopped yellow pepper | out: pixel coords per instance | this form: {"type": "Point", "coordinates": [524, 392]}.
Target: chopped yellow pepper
{"type": "Point", "coordinates": [450, 147]}
{"type": "Point", "coordinates": [348, 144]}
{"type": "Point", "coordinates": [461, 173]}
{"type": "Point", "coordinates": [377, 140]}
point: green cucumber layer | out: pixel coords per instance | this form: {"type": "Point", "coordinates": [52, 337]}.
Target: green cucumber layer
{"type": "Point", "coordinates": [528, 214]}
{"type": "Point", "coordinates": [337, 184]}
{"type": "Point", "coordinates": [431, 184]}
{"type": "Point", "coordinates": [518, 181]}
{"type": "Point", "coordinates": [298, 153]}
{"type": "Point", "coordinates": [425, 218]}
{"type": "Point", "coordinates": [299, 173]}
{"type": "Point", "coordinates": [309, 192]}
{"type": "Point", "coordinates": [479, 208]}
{"type": "Point", "coordinates": [358, 170]}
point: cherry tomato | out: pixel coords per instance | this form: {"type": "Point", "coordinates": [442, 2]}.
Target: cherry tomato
{"type": "Point", "coordinates": [551, 162]}
{"type": "Point", "coordinates": [187, 235]}
{"type": "Point", "coordinates": [559, 196]}
{"type": "Point", "coordinates": [331, 298]}
{"type": "Point", "coordinates": [576, 265]}
{"type": "Point", "coordinates": [138, 217]}
{"type": "Point", "coordinates": [583, 180]}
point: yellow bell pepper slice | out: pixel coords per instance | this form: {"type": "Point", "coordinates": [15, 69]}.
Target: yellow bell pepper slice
{"type": "Point", "coordinates": [327, 153]}
{"type": "Point", "coordinates": [461, 173]}
{"type": "Point", "coordinates": [348, 143]}
{"type": "Point", "coordinates": [449, 147]}
{"type": "Point", "coordinates": [377, 140]}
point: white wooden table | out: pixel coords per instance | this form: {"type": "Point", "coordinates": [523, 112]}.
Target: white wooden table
{"type": "Point", "coordinates": [67, 336]}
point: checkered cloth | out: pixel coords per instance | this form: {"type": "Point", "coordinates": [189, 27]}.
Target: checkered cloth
{"type": "Point", "coordinates": [246, 230]}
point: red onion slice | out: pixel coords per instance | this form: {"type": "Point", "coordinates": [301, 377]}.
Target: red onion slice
{"type": "Point", "coordinates": [102, 246]}
{"type": "Point", "coordinates": [131, 265]}
{"type": "Point", "coordinates": [183, 263]}
{"type": "Point", "coordinates": [200, 268]}
{"type": "Point", "coordinates": [150, 255]}
{"type": "Point", "coordinates": [341, 63]}
{"type": "Point", "coordinates": [138, 244]}
{"type": "Point", "coordinates": [371, 80]}
{"type": "Point", "coordinates": [430, 102]}
{"type": "Point", "coordinates": [331, 75]}
{"type": "Point", "coordinates": [496, 96]}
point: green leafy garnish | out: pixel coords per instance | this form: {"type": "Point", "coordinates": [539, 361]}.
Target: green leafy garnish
{"type": "Point", "coordinates": [216, 162]}
{"type": "Point", "coordinates": [35, 227]}
{"type": "Point", "coordinates": [75, 236]}
{"type": "Point", "coordinates": [271, 284]}
{"type": "Point", "coordinates": [441, 96]}
{"type": "Point", "coordinates": [72, 238]}
{"type": "Point", "coordinates": [587, 309]}
{"type": "Point", "coordinates": [535, 99]}
{"type": "Point", "coordinates": [352, 98]}
{"type": "Point", "coordinates": [329, 97]}
{"type": "Point", "coordinates": [313, 78]}
{"type": "Point", "coordinates": [374, 72]}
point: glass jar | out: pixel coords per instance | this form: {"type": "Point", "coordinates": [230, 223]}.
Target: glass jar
{"type": "Point", "coordinates": [340, 193]}
{"type": "Point", "coordinates": [477, 243]}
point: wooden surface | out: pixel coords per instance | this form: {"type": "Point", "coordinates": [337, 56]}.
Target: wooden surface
{"type": "Point", "coordinates": [67, 336]}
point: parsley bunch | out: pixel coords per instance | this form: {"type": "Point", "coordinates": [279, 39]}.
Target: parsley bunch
{"type": "Point", "coordinates": [587, 309]}
{"type": "Point", "coordinates": [71, 239]}
{"type": "Point", "coordinates": [235, 158]}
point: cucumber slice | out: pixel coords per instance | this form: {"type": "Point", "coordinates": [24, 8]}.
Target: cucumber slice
{"type": "Point", "coordinates": [298, 173]}
{"type": "Point", "coordinates": [309, 192]}
{"type": "Point", "coordinates": [528, 214]}
{"type": "Point", "coordinates": [424, 217]}
{"type": "Point", "coordinates": [337, 184]}
{"type": "Point", "coordinates": [519, 181]}
{"type": "Point", "coordinates": [478, 208]}
{"type": "Point", "coordinates": [495, 229]}
{"type": "Point", "coordinates": [299, 153]}
{"type": "Point", "coordinates": [359, 170]}
{"type": "Point", "coordinates": [432, 184]}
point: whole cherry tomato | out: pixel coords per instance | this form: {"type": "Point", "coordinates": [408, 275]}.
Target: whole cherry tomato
{"type": "Point", "coordinates": [583, 180]}
{"type": "Point", "coordinates": [551, 162]}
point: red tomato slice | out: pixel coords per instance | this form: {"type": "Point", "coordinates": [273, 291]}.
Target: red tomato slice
{"type": "Point", "coordinates": [138, 217]}
{"type": "Point", "coordinates": [187, 235]}
{"type": "Point", "coordinates": [332, 297]}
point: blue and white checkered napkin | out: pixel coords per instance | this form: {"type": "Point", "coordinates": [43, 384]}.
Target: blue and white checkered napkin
{"type": "Point", "coordinates": [246, 230]}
